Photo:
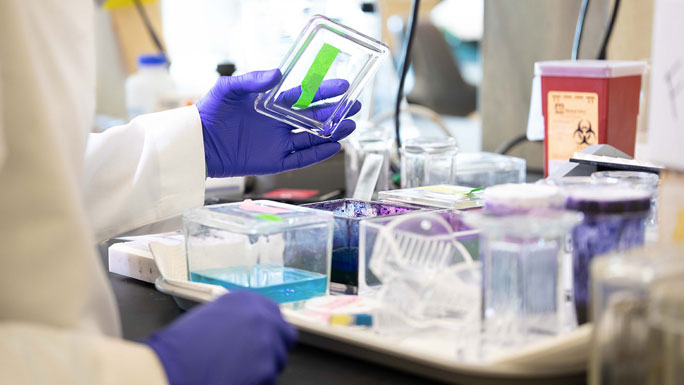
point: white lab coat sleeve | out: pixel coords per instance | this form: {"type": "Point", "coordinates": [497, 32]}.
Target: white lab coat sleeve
{"type": "Point", "coordinates": [40, 354]}
{"type": "Point", "coordinates": [149, 170]}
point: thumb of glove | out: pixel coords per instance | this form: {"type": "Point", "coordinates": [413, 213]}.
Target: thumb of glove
{"type": "Point", "coordinates": [251, 82]}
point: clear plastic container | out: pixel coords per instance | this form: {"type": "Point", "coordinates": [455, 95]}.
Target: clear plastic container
{"type": "Point", "coordinates": [324, 50]}
{"type": "Point", "coordinates": [442, 196]}
{"type": "Point", "coordinates": [614, 220]}
{"type": "Point", "coordinates": [357, 148]}
{"type": "Point", "coordinates": [523, 288]}
{"type": "Point", "coordinates": [484, 169]}
{"type": "Point", "coordinates": [278, 250]}
{"type": "Point", "coordinates": [621, 292]}
{"type": "Point", "coordinates": [666, 337]}
{"type": "Point", "coordinates": [428, 161]}
{"type": "Point", "coordinates": [437, 240]}
{"type": "Point", "coordinates": [349, 213]}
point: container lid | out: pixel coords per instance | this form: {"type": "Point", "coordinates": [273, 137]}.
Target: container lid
{"type": "Point", "coordinates": [445, 196]}
{"type": "Point", "coordinates": [354, 209]}
{"type": "Point", "coordinates": [522, 197]}
{"type": "Point", "coordinates": [429, 145]}
{"type": "Point", "coordinates": [638, 179]}
{"type": "Point", "coordinates": [590, 68]}
{"type": "Point", "coordinates": [323, 75]}
{"type": "Point", "coordinates": [487, 161]}
{"type": "Point", "coordinates": [255, 217]}
{"type": "Point", "coordinates": [605, 199]}
{"type": "Point", "coordinates": [151, 60]}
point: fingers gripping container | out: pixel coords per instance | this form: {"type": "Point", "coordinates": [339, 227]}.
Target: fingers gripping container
{"type": "Point", "coordinates": [278, 250]}
{"type": "Point", "coordinates": [324, 51]}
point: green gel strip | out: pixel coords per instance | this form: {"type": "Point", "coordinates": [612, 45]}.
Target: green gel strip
{"type": "Point", "coordinates": [269, 217]}
{"type": "Point", "coordinates": [314, 76]}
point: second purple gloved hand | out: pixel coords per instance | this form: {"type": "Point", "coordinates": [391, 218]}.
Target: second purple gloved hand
{"type": "Point", "coordinates": [239, 338]}
{"type": "Point", "coordinates": [239, 141]}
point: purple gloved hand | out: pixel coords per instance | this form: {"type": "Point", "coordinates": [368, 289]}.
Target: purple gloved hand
{"type": "Point", "coordinates": [240, 338]}
{"type": "Point", "coordinates": [239, 141]}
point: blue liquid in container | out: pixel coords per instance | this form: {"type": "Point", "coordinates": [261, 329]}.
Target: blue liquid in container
{"type": "Point", "coordinates": [281, 284]}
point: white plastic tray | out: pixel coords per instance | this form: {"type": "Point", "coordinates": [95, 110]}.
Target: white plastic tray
{"type": "Point", "coordinates": [560, 360]}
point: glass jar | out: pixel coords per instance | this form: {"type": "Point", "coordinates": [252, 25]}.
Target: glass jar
{"type": "Point", "coordinates": [523, 288]}
{"type": "Point", "coordinates": [428, 161]}
{"type": "Point", "coordinates": [666, 333]}
{"type": "Point", "coordinates": [614, 220]}
{"type": "Point", "coordinates": [620, 295]}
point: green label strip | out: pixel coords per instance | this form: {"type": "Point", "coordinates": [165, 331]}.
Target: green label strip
{"type": "Point", "coordinates": [314, 76]}
{"type": "Point", "coordinates": [269, 217]}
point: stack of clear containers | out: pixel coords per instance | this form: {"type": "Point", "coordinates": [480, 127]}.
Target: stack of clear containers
{"type": "Point", "coordinates": [325, 50]}
{"type": "Point", "coordinates": [278, 250]}
{"type": "Point", "coordinates": [349, 214]}
{"type": "Point", "coordinates": [484, 169]}
{"type": "Point", "coordinates": [614, 219]}
{"type": "Point", "coordinates": [625, 305]}
{"type": "Point", "coordinates": [442, 196]}
{"type": "Point", "coordinates": [524, 231]}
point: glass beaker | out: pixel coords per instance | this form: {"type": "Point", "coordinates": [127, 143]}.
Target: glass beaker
{"type": "Point", "coordinates": [428, 161]}
{"type": "Point", "coordinates": [614, 220]}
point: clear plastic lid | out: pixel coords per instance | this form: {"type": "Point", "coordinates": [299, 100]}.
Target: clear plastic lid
{"type": "Point", "coordinates": [430, 145]}
{"type": "Point", "coordinates": [443, 195]}
{"type": "Point", "coordinates": [311, 95]}
{"type": "Point", "coordinates": [590, 68]}
{"type": "Point", "coordinates": [522, 197]}
{"type": "Point", "coordinates": [487, 162]}
{"type": "Point", "coordinates": [255, 217]}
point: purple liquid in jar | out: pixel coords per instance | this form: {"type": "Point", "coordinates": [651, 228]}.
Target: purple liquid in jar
{"type": "Point", "coordinates": [614, 220]}
{"type": "Point", "coordinates": [348, 214]}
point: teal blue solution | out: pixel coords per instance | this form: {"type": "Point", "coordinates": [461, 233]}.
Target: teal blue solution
{"type": "Point", "coordinates": [281, 284]}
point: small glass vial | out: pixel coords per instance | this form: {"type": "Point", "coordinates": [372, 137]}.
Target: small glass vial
{"type": "Point", "coordinates": [620, 295]}
{"type": "Point", "coordinates": [524, 230]}
{"type": "Point", "coordinates": [428, 161]}
{"type": "Point", "coordinates": [614, 220]}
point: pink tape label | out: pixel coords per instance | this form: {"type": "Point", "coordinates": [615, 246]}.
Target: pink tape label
{"type": "Point", "coordinates": [249, 205]}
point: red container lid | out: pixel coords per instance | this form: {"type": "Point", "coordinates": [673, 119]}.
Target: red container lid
{"type": "Point", "coordinates": [590, 68]}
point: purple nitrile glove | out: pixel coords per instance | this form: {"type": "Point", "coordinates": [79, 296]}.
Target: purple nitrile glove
{"type": "Point", "coordinates": [240, 338]}
{"type": "Point", "coordinates": [239, 141]}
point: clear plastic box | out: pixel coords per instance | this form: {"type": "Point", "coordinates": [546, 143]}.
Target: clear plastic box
{"type": "Point", "coordinates": [484, 169]}
{"type": "Point", "coordinates": [438, 239]}
{"type": "Point", "coordinates": [443, 196]}
{"type": "Point", "coordinates": [324, 50]}
{"type": "Point", "coordinates": [349, 213]}
{"type": "Point", "coordinates": [279, 250]}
